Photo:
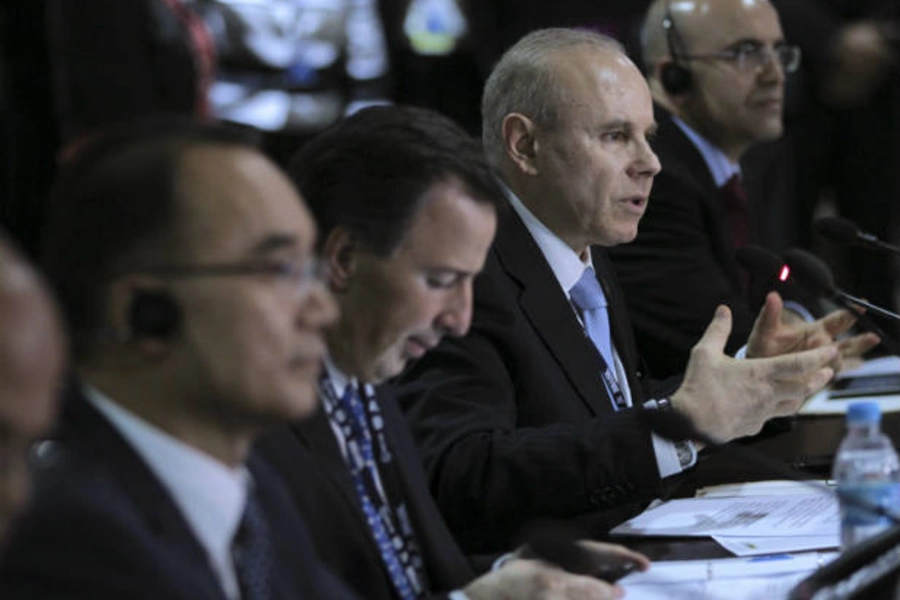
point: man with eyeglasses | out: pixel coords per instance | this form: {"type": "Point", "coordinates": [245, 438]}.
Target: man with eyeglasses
{"type": "Point", "coordinates": [716, 70]}
{"type": "Point", "coordinates": [182, 259]}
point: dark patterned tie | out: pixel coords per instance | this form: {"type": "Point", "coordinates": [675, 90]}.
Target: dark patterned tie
{"type": "Point", "coordinates": [735, 198]}
{"type": "Point", "coordinates": [352, 419]}
{"type": "Point", "coordinates": [252, 553]}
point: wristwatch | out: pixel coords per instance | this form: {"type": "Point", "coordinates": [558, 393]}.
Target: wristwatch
{"type": "Point", "coordinates": [687, 452]}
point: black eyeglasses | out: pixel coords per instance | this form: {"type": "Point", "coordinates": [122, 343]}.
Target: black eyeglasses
{"type": "Point", "coordinates": [301, 276]}
{"type": "Point", "coordinates": [752, 57]}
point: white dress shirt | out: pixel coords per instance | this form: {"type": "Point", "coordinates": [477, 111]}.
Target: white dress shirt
{"type": "Point", "coordinates": [210, 495]}
{"type": "Point", "coordinates": [720, 166]}
{"type": "Point", "coordinates": [567, 266]}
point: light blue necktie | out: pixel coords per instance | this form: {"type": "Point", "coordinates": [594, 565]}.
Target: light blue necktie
{"type": "Point", "coordinates": [588, 296]}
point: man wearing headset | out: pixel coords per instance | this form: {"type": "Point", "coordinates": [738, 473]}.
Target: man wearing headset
{"type": "Point", "coordinates": [716, 70]}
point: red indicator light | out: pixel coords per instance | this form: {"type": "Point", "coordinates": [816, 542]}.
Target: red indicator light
{"type": "Point", "coordinates": [785, 273]}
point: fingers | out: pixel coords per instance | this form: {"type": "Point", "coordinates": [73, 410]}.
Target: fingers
{"type": "Point", "coordinates": [769, 318]}
{"type": "Point", "coordinates": [717, 332]}
{"type": "Point", "coordinates": [581, 587]}
{"type": "Point", "coordinates": [532, 579]}
{"type": "Point", "coordinates": [858, 345]}
{"type": "Point", "coordinates": [837, 322]}
{"type": "Point", "coordinates": [798, 364]}
{"type": "Point", "coordinates": [797, 390]}
{"type": "Point", "coordinates": [603, 551]}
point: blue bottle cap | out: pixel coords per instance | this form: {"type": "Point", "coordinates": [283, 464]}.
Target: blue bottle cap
{"type": "Point", "coordinates": [863, 412]}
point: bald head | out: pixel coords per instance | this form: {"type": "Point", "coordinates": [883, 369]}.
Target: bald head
{"type": "Point", "coordinates": [31, 362]}
{"type": "Point", "coordinates": [719, 65]}
{"type": "Point", "coordinates": [689, 21]}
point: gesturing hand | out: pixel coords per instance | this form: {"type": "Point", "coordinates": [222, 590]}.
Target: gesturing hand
{"type": "Point", "coordinates": [728, 398]}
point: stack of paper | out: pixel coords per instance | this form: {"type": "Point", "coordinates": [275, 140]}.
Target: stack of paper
{"type": "Point", "coordinates": [762, 578]}
{"type": "Point", "coordinates": [746, 525]}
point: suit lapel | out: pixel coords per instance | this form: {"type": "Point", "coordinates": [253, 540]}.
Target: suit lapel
{"type": "Point", "coordinates": [680, 154]}
{"type": "Point", "coordinates": [317, 435]}
{"type": "Point", "coordinates": [86, 429]}
{"type": "Point", "coordinates": [446, 565]}
{"type": "Point", "coordinates": [548, 309]}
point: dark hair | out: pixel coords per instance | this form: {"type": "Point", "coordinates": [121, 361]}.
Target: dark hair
{"type": "Point", "coordinates": [371, 171]}
{"type": "Point", "coordinates": [116, 201]}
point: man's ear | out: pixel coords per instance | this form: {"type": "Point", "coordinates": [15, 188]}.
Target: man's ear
{"type": "Point", "coordinates": [520, 142]}
{"type": "Point", "coordinates": [339, 251]}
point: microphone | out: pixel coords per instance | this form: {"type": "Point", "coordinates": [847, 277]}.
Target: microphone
{"type": "Point", "coordinates": [768, 270]}
{"type": "Point", "coordinates": [762, 264]}
{"type": "Point", "coordinates": [677, 427]}
{"type": "Point", "coordinates": [842, 231]}
{"type": "Point", "coordinates": [815, 275]}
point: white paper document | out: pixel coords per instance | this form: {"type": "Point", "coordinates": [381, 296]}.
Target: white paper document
{"type": "Point", "coordinates": [773, 487]}
{"type": "Point", "coordinates": [782, 515]}
{"type": "Point", "coordinates": [764, 578]}
{"type": "Point", "coordinates": [758, 545]}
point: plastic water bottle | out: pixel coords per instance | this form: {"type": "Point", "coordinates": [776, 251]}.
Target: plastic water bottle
{"type": "Point", "coordinates": [866, 469]}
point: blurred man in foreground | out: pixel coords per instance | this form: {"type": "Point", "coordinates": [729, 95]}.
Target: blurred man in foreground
{"type": "Point", "coordinates": [31, 363]}
{"type": "Point", "coordinates": [183, 260]}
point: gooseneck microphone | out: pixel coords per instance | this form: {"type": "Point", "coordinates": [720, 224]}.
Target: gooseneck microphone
{"type": "Point", "coordinates": [768, 270]}
{"type": "Point", "coordinates": [677, 427]}
{"type": "Point", "coordinates": [815, 275]}
{"type": "Point", "coordinates": [842, 231]}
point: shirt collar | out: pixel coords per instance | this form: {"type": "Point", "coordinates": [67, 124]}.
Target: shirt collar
{"type": "Point", "coordinates": [720, 166]}
{"type": "Point", "coordinates": [210, 495]}
{"type": "Point", "coordinates": [567, 266]}
{"type": "Point", "coordinates": [340, 380]}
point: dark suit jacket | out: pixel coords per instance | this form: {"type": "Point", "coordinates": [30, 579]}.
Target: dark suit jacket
{"type": "Point", "coordinates": [101, 525]}
{"type": "Point", "coordinates": [513, 420]}
{"type": "Point", "coordinates": [308, 456]}
{"type": "Point", "coordinates": [681, 265]}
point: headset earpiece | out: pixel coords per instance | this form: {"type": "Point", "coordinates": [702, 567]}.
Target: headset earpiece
{"type": "Point", "coordinates": [153, 314]}
{"type": "Point", "coordinates": [675, 79]}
